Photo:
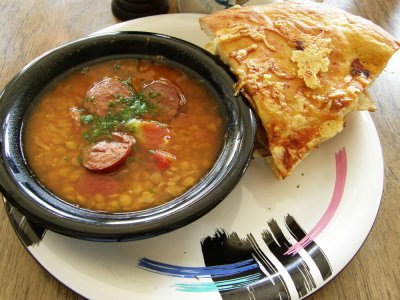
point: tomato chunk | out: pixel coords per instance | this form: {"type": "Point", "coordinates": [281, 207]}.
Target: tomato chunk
{"type": "Point", "coordinates": [162, 159]}
{"type": "Point", "coordinates": [91, 184]}
{"type": "Point", "coordinates": [150, 134]}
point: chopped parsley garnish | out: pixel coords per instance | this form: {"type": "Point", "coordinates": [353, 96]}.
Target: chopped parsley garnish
{"type": "Point", "coordinates": [132, 159]}
{"type": "Point", "coordinates": [86, 119]}
{"type": "Point", "coordinates": [127, 82]}
{"type": "Point", "coordinates": [122, 109]}
{"type": "Point", "coordinates": [117, 67]}
{"type": "Point", "coordinates": [153, 94]}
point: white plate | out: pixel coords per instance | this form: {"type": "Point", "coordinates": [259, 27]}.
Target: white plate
{"type": "Point", "coordinates": [332, 197]}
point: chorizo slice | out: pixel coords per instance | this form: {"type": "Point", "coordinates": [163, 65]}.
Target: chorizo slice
{"type": "Point", "coordinates": [104, 96]}
{"type": "Point", "coordinates": [109, 155]}
{"type": "Point", "coordinates": [166, 98]}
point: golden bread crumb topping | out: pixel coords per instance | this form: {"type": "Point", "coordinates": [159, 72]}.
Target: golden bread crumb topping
{"type": "Point", "coordinates": [302, 66]}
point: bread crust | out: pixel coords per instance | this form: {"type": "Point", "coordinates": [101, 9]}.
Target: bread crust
{"type": "Point", "coordinates": [302, 66]}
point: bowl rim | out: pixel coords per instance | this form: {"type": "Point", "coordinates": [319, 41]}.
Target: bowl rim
{"type": "Point", "coordinates": [121, 226]}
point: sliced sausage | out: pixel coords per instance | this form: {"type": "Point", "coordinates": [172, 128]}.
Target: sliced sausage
{"type": "Point", "coordinates": [104, 96]}
{"type": "Point", "coordinates": [107, 156]}
{"type": "Point", "coordinates": [166, 98]}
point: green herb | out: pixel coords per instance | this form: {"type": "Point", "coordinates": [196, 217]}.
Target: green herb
{"type": "Point", "coordinates": [127, 81]}
{"type": "Point", "coordinates": [117, 67]}
{"type": "Point", "coordinates": [132, 159]}
{"type": "Point", "coordinates": [153, 94]}
{"type": "Point", "coordinates": [65, 157]}
{"type": "Point", "coordinates": [86, 135]}
{"type": "Point", "coordinates": [128, 108]}
{"type": "Point", "coordinates": [87, 119]}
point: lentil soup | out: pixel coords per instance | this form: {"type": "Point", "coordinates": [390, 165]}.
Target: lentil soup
{"type": "Point", "coordinates": [123, 135]}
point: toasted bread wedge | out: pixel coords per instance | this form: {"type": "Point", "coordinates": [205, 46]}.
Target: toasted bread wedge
{"type": "Point", "coordinates": [303, 66]}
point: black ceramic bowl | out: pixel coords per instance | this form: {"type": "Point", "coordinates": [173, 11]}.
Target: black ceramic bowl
{"type": "Point", "coordinates": [39, 205]}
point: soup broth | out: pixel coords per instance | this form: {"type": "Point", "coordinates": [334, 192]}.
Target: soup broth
{"type": "Point", "coordinates": [123, 135]}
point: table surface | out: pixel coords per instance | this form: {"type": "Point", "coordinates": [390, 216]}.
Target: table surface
{"type": "Point", "coordinates": [30, 27]}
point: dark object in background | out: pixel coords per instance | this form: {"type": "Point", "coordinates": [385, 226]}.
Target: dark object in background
{"type": "Point", "coordinates": [132, 9]}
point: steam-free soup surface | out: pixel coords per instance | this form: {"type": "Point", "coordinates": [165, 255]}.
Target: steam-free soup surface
{"type": "Point", "coordinates": [123, 135]}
